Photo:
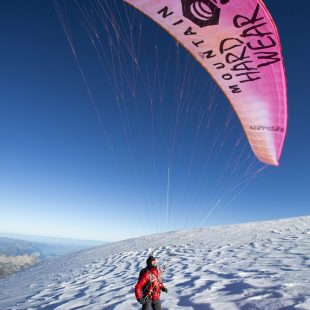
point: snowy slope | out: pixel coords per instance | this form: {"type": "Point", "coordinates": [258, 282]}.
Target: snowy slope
{"type": "Point", "coordinates": [262, 265]}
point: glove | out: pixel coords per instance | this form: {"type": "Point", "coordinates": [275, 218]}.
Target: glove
{"type": "Point", "coordinates": [164, 289]}
{"type": "Point", "coordinates": [142, 301]}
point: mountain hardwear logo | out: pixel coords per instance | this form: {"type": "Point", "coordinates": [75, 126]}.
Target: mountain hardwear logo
{"type": "Point", "coordinates": [202, 12]}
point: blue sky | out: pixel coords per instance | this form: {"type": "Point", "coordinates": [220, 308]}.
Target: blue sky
{"type": "Point", "coordinates": [60, 176]}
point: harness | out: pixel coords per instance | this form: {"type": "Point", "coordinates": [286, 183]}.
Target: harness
{"type": "Point", "coordinates": [150, 283]}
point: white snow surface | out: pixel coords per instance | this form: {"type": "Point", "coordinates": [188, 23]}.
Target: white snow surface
{"type": "Point", "coordinates": [262, 265]}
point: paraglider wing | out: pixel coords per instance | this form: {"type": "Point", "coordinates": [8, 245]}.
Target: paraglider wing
{"type": "Point", "coordinates": [237, 42]}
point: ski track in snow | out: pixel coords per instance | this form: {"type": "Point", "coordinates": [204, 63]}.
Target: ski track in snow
{"type": "Point", "coordinates": [251, 266]}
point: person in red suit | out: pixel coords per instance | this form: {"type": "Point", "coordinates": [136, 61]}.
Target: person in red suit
{"type": "Point", "coordinates": [150, 285]}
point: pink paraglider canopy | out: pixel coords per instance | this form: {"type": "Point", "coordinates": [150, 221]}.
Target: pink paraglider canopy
{"type": "Point", "coordinates": [237, 42]}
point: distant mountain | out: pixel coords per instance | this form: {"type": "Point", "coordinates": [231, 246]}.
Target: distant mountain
{"type": "Point", "coordinates": [14, 247]}
{"type": "Point", "coordinates": [16, 254]}
{"type": "Point", "coordinates": [54, 240]}
{"type": "Point", "coordinates": [49, 249]}
{"type": "Point", "coordinates": [262, 265]}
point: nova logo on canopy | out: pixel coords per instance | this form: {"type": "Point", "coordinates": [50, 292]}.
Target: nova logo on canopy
{"type": "Point", "coordinates": [203, 13]}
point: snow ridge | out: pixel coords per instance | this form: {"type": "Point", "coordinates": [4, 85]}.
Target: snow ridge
{"type": "Point", "coordinates": [262, 265]}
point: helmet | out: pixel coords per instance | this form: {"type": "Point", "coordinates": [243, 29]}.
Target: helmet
{"type": "Point", "coordinates": [151, 261]}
